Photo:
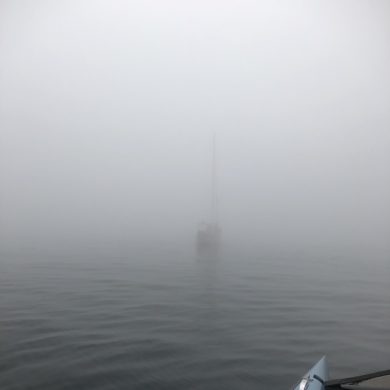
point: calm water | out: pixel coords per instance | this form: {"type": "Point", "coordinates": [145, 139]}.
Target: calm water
{"type": "Point", "coordinates": [165, 320]}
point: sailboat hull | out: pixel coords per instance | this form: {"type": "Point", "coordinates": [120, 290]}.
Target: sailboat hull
{"type": "Point", "coordinates": [208, 239]}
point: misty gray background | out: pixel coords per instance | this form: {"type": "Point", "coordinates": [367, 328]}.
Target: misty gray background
{"type": "Point", "coordinates": [107, 113]}
{"type": "Point", "coordinates": [107, 110]}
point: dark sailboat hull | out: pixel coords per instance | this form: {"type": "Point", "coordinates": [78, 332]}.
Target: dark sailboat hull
{"type": "Point", "coordinates": [208, 239]}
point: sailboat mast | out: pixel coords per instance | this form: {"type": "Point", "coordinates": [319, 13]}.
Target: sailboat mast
{"type": "Point", "coordinates": [214, 192]}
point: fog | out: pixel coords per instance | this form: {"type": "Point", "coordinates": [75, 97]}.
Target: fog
{"type": "Point", "coordinates": [108, 108]}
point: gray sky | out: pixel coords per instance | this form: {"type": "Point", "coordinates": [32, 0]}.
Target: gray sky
{"type": "Point", "coordinates": [107, 110]}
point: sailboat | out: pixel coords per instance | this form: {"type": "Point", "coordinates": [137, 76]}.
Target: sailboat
{"type": "Point", "coordinates": [209, 233]}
